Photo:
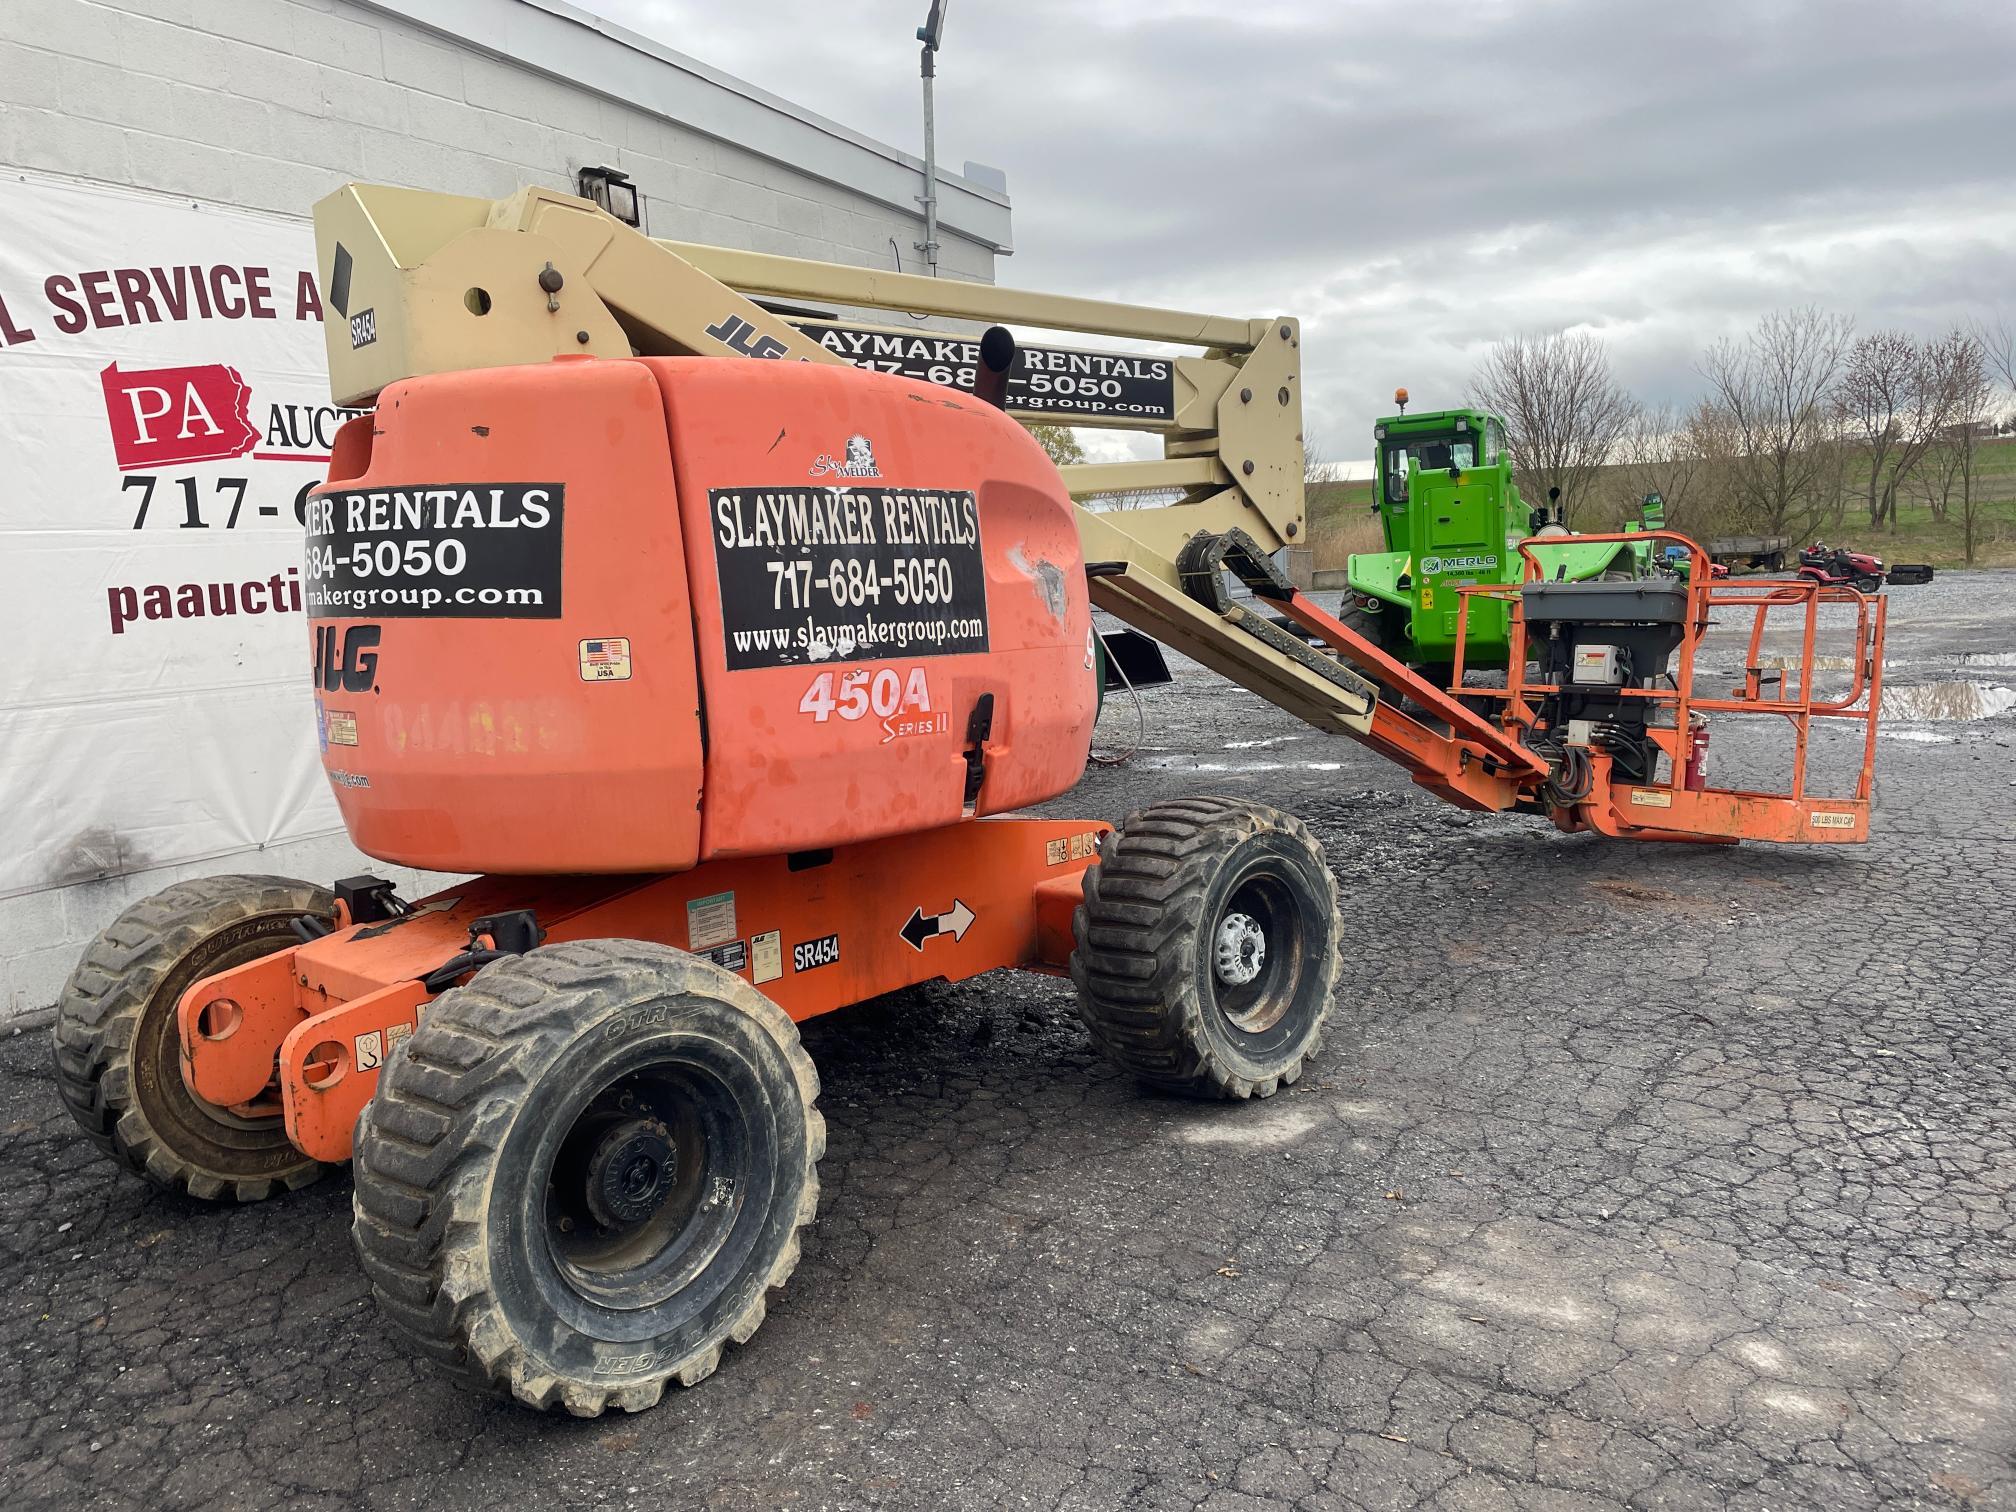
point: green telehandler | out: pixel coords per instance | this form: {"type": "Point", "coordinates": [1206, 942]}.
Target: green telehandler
{"type": "Point", "coordinates": [1452, 517]}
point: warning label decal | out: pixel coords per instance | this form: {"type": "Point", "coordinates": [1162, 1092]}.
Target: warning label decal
{"type": "Point", "coordinates": [710, 921]}
{"type": "Point", "coordinates": [835, 574]}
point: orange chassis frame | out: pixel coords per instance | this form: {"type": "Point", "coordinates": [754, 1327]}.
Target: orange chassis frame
{"type": "Point", "coordinates": [984, 894]}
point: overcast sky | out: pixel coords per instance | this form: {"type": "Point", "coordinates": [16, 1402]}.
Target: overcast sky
{"type": "Point", "coordinates": [1417, 181]}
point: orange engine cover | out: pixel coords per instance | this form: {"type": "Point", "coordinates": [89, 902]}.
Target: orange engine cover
{"type": "Point", "coordinates": [632, 615]}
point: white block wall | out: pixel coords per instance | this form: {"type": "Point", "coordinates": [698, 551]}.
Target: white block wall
{"type": "Point", "coordinates": [269, 105]}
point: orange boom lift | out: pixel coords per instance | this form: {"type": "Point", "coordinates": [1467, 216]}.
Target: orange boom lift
{"type": "Point", "coordinates": [715, 675]}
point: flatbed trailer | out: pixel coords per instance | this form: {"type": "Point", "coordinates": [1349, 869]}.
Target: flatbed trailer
{"type": "Point", "coordinates": [1757, 553]}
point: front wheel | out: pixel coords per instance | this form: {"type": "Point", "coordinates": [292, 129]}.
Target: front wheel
{"type": "Point", "coordinates": [118, 1056]}
{"type": "Point", "coordinates": [1866, 584]}
{"type": "Point", "coordinates": [1205, 952]}
{"type": "Point", "coordinates": [585, 1171]}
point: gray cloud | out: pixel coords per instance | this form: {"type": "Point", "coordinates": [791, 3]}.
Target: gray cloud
{"type": "Point", "coordinates": [1416, 182]}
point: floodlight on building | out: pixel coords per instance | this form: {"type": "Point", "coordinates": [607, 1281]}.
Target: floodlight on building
{"type": "Point", "coordinates": [613, 191]}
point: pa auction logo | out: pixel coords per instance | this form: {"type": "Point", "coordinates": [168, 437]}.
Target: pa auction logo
{"type": "Point", "coordinates": [171, 416]}
{"type": "Point", "coordinates": [164, 416]}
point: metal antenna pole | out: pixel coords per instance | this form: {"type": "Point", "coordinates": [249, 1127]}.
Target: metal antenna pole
{"type": "Point", "coordinates": [929, 247]}
{"type": "Point", "coordinates": [927, 66]}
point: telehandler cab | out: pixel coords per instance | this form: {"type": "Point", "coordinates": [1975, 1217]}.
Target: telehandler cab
{"type": "Point", "coordinates": [720, 679]}
{"type": "Point", "coordinates": [1453, 519]}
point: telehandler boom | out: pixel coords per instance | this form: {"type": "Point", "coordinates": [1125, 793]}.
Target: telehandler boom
{"type": "Point", "coordinates": [714, 672]}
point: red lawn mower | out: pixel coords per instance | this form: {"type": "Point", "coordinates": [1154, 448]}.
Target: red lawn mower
{"type": "Point", "coordinates": [1861, 570]}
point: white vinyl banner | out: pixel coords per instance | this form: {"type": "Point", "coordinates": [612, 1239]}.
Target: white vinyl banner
{"type": "Point", "coordinates": [163, 411]}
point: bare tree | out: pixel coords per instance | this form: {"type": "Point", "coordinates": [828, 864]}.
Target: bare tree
{"type": "Point", "coordinates": [1563, 408]}
{"type": "Point", "coordinates": [1997, 340]}
{"type": "Point", "coordinates": [1897, 395]}
{"type": "Point", "coordinates": [1317, 467]}
{"type": "Point", "coordinates": [1772, 416]}
{"type": "Point", "coordinates": [1662, 452]}
{"type": "Point", "coordinates": [1875, 392]}
{"type": "Point", "coordinates": [1974, 370]}
{"type": "Point", "coordinates": [1937, 478]}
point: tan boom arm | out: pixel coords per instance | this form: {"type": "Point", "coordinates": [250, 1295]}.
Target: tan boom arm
{"type": "Point", "coordinates": [418, 282]}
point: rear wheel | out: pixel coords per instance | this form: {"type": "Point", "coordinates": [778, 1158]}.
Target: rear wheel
{"type": "Point", "coordinates": [585, 1171]}
{"type": "Point", "coordinates": [1206, 948]}
{"type": "Point", "coordinates": [118, 1057]}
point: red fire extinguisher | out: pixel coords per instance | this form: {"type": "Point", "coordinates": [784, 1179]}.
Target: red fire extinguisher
{"type": "Point", "coordinates": [1696, 775]}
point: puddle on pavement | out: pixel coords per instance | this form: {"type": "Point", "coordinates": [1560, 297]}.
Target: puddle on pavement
{"type": "Point", "coordinates": [1921, 737]}
{"type": "Point", "coordinates": [1820, 663]}
{"type": "Point", "coordinates": [1186, 764]}
{"type": "Point", "coordinates": [1945, 702]}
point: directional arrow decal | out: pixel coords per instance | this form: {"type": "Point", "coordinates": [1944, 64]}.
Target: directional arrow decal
{"type": "Point", "coordinates": [921, 926]}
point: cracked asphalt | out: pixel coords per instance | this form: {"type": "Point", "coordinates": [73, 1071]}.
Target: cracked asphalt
{"type": "Point", "coordinates": [1628, 1176]}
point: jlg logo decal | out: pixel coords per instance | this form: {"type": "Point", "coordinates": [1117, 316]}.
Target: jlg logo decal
{"type": "Point", "coordinates": [901, 700]}
{"type": "Point", "coordinates": [344, 660]}
{"type": "Point", "coordinates": [735, 333]}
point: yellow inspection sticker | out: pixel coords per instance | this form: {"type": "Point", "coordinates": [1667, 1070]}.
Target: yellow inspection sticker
{"type": "Point", "coordinates": [1071, 848]}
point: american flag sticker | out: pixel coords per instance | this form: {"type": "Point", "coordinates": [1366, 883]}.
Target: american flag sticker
{"type": "Point", "coordinates": [605, 660]}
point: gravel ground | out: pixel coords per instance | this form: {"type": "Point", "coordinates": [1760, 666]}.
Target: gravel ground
{"type": "Point", "coordinates": [1640, 1176]}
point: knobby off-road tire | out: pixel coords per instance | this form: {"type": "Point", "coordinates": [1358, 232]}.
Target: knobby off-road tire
{"type": "Point", "coordinates": [1370, 623]}
{"type": "Point", "coordinates": [1168, 925]}
{"type": "Point", "coordinates": [585, 1171]}
{"type": "Point", "coordinates": [117, 1056]}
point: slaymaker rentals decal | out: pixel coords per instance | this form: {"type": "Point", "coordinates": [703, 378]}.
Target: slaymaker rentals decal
{"type": "Point", "coordinates": [447, 550]}
{"type": "Point", "coordinates": [836, 574]}
{"type": "Point", "coordinates": [1043, 380]}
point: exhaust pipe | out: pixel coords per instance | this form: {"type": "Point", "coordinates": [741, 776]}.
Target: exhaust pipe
{"type": "Point", "coordinates": [997, 355]}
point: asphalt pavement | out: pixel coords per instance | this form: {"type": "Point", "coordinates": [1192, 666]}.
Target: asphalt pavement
{"type": "Point", "coordinates": [1628, 1176]}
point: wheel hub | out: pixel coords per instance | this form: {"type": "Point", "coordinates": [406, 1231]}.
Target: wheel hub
{"type": "Point", "coordinates": [1240, 949]}
{"type": "Point", "coordinates": [630, 1171]}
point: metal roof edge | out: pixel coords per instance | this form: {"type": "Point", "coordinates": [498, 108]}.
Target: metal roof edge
{"type": "Point", "coordinates": [564, 42]}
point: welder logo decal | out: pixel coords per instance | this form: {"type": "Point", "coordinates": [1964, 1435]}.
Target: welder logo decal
{"type": "Point", "coordinates": [823, 575]}
{"type": "Point", "coordinates": [446, 550]}
{"type": "Point", "coordinates": [858, 463]}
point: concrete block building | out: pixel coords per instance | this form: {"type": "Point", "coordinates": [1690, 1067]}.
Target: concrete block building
{"type": "Point", "coordinates": [148, 143]}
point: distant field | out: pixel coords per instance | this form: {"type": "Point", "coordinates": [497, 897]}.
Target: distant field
{"type": "Point", "coordinates": [1341, 522]}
